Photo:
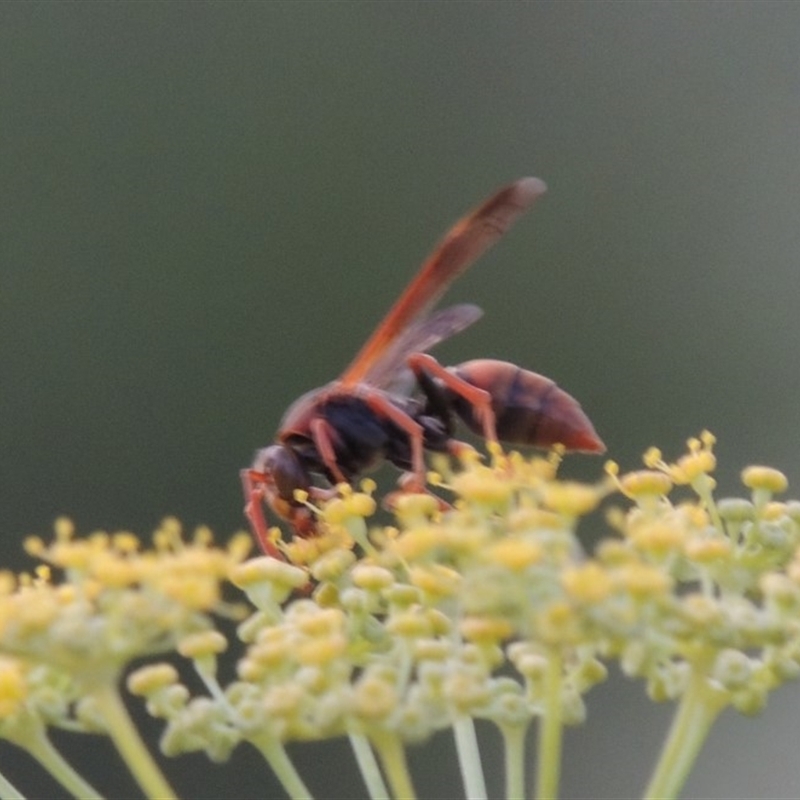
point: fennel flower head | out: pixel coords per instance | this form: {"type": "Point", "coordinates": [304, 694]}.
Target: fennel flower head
{"type": "Point", "coordinates": [479, 601]}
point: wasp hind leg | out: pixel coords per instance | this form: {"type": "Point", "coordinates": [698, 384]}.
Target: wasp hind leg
{"type": "Point", "coordinates": [426, 367]}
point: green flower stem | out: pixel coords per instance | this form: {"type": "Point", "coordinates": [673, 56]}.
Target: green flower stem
{"type": "Point", "coordinates": [698, 709]}
{"type": "Point", "coordinates": [368, 764]}
{"type": "Point", "coordinates": [8, 791]}
{"type": "Point", "coordinates": [550, 731]}
{"type": "Point", "coordinates": [469, 758]}
{"type": "Point", "coordinates": [129, 744]}
{"type": "Point", "coordinates": [393, 757]}
{"type": "Point", "coordinates": [702, 485]}
{"type": "Point", "coordinates": [278, 759]}
{"type": "Point", "coordinates": [31, 735]}
{"type": "Point", "coordinates": [43, 751]}
{"type": "Point", "coordinates": [514, 747]}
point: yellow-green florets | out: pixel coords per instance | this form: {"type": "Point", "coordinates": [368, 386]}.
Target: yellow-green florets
{"type": "Point", "coordinates": [468, 605]}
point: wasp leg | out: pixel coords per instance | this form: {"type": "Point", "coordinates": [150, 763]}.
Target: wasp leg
{"type": "Point", "coordinates": [323, 438]}
{"type": "Point", "coordinates": [255, 495]}
{"type": "Point", "coordinates": [380, 404]}
{"type": "Point", "coordinates": [425, 367]}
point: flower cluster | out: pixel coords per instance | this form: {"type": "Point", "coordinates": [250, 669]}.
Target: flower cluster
{"type": "Point", "coordinates": [480, 602]}
{"type": "Point", "coordinates": [64, 643]}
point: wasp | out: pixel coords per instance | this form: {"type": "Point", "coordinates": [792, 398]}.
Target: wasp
{"type": "Point", "coordinates": [395, 401]}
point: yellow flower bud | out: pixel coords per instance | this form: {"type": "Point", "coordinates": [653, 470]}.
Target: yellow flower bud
{"type": "Point", "coordinates": [645, 482]}
{"type": "Point", "coordinates": [642, 580]}
{"type": "Point", "coordinates": [371, 577]}
{"type": "Point", "coordinates": [321, 622]}
{"type": "Point", "coordinates": [150, 679]}
{"type": "Point", "coordinates": [571, 499]}
{"type": "Point", "coordinates": [374, 698]}
{"type": "Point", "coordinates": [419, 541]}
{"type": "Point", "coordinates": [483, 486]}
{"type": "Point", "coordinates": [486, 629]}
{"type": "Point", "coordinates": [590, 583]}
{"type": "Point", "coordinates": [765, 478]}
{"type": "Point", "coordinates": [411, 624]}
{"type": "Point", "coordinates": [268, 570]}
{"type": "Point", "coordinates": [705, 551]}
{"type": "Point", "coordinates": [435, 580]}
{"type": "Point", "coordinates": [13, 686]}
{"type": "Point", "coordinates": [515, 554]}
{"type": "Point", "coordinates": [320, 651]}
{"type": "Point", "coordinates": [658, 537]}
{"type": "Point", "coordinates": [692, 466]}
{"type": "Point", "coordinates": [200, 645]}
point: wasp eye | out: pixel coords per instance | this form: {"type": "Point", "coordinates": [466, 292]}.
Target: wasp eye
{"type": "Point", "coordinates": [286, 471]}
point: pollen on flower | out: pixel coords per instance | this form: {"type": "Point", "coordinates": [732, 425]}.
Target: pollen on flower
{"type": "Point", "coordinates": [205, 643]}
{"type": "Point", "coordinates": [323, 622]}
{"type": "Point", "coordinates": [196, 591]}
{"type": "Point", "coordinates": [515, 554]}
{"type": "Point", "coordinates": [300, 496]}
{"type": "Point", "coordinates": [264, 569]}
{"type": "Point", "coordinates": [432, 649]}
{"type": "Point", "coordinates": [642, 580]}
{"type": "Point", "coordinates": [707, 550]}
{"type": "Point", "coordinates": [362, 504]}
{"type": "Point", "coordinates": [765, 478]}
{"type": "Point", "coordinates": [415, 507]}
{"type": "Point", "coordinates": [320, 650]}
{"type": "Point", "coordinates": [435, 580]}
{"type": "Point", "coordinates": [703, 612]}
{"type": "Point", "coordinates": [151, 678]}
{"type": "Point", "coordinates": [467, 689]}
{"type": "Point", "coordinates": [653, 458]}
{"type": "Point", "coordinates": [484, 487]}
{"type": "Point", "coordinates": [113, 571]}
{"type": "Point", "coordinates": [659, 537]}
{"type": "Point", "coordinates": [589, 583]}
{"type": "Point", "coordinates": [409, 624]}
{"type": "Point", "coordinates": [486, 629]}
{"type": "Point", "coordinates": [559, 624]}
{"type": "Point", "coordinates": [63, 528]}
{"type": "Point", "coordinates": [125, 542]}
{"type": "Point", "coordinates": [168, 535]}
{"type": "Point", "coordinates": [646, 483]}
{"type": "Point", "coordinates": [13, 686]}
{"type": "Point", "coordinates": [303, 551]}
{"type": "Point", "coordinates": [371, 577]}
{"type": "Point", "coordinates": [774, 511]}
{"type": "Point", "coordinates": [571, 499]}
{"type": "Point", "coordinates": [374, 698]}
{"type": "Point", "coordinates": [333, 565]}
{"type": "Point", "coordinates": [691, 466]}
{"type": "Point", "coordinates": [284, 701]}
{"type": "Point", "coordinates": [8, 582]}
{"type": "Point", "coordinates": [34, 546]}
{"type": "Point", "coordinates": [525, 519]}
{"type": "Point", "coordinates": [419, 541]}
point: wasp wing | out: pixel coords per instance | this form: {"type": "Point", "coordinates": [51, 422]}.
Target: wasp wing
{"type": "Point", "coordinates": [419, 337]}
{"type": "Point", "coordinates": [463, 244]}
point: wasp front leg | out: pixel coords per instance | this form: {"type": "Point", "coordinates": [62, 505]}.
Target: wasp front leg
{"type": "Point", "coordinates": [255, 496]}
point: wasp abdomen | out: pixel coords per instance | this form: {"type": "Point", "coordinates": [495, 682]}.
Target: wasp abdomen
{"type": "Point", "coordinates": [528, 408]}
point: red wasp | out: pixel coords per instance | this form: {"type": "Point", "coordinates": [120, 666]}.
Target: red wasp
{"type": "Point", "coordinates": [369, 413]}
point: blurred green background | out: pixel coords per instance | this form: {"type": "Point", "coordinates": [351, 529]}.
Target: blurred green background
{"type": "Point", "coordinates": [207, 206]}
